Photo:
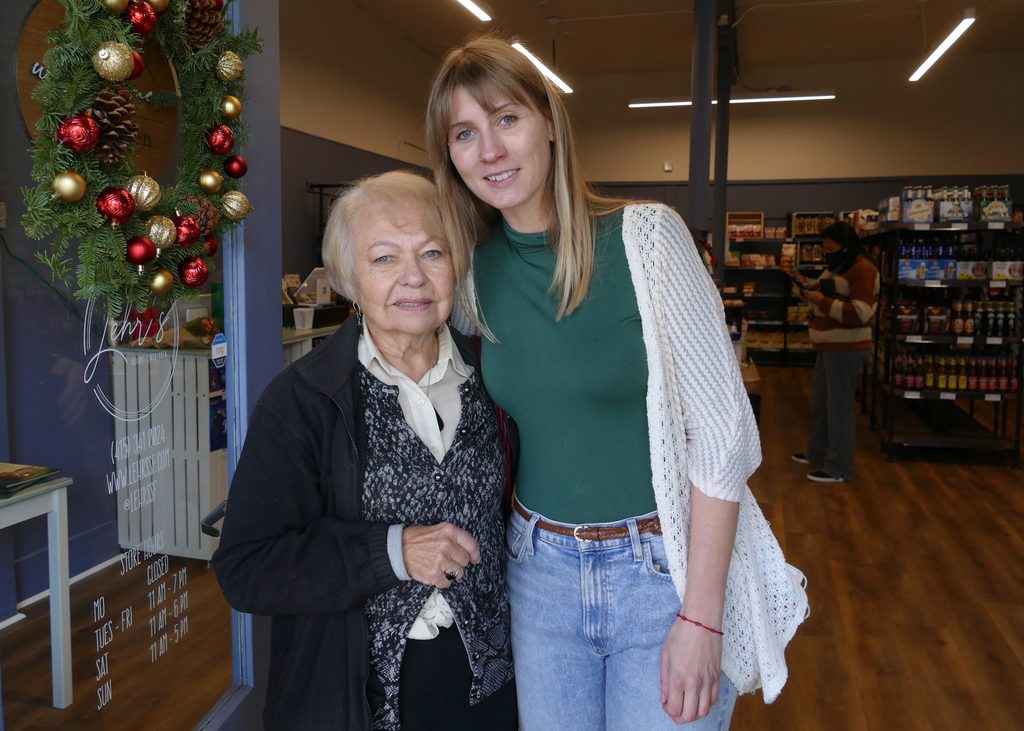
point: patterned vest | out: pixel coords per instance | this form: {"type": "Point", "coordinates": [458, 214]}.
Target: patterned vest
{"type": "Point", "coordinates": [403, 483]}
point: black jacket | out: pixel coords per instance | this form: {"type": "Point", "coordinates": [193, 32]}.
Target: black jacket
{"type": "Point", "coordinates": [293, 544]}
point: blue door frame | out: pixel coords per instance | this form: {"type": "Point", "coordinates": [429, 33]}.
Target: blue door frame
{"type": "Point", "coordinates": [252, 320]}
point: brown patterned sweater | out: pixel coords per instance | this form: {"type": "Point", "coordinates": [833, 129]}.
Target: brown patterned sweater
{"type": "Point", "coordinates": [843, 322]}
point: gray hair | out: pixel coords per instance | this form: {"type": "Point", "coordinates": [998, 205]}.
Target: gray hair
{"type": "Point", "coordinates": [395, 188]}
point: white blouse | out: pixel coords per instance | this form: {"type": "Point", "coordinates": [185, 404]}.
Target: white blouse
{"type": "Point", "coordinates": [435, 395]}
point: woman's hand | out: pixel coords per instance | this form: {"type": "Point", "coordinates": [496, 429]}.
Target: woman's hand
{"type": "Point", "coordinates": [430, 550]}
{"type": "Point", "coordinates": [690, 665]}
{"type": "Point", "coordinates": [813, 296]}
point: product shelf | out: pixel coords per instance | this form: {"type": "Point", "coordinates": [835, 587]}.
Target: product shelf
{"type": "Point", "coordinates": [953, 424]}
{"type": "Point", "coordinates": [957, 283]}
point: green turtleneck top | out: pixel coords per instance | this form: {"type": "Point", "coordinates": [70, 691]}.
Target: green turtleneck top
{"type": "Point", "coordinates": [577, 386]}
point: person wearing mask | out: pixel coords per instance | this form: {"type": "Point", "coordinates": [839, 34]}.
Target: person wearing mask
{"type": "Point", "coordinates": [843, 303]}
{"type": "Point", "coordinates": [365, 513]}
{"type": "Point", "coordinates": [646, 586]}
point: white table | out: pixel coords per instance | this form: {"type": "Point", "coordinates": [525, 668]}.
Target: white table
{"type": "Point", "coordinates": [50, 499]}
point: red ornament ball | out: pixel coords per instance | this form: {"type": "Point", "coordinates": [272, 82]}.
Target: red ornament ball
{"type": "Point", "coordinates": [211, 245]}
{"type": "Point", "coordinates": [140, 64]}
{"type": "Point", "coordinates": [220, 139]}
{"type": "Point", "coordinates": [193, 272]}
{"type": "Point", "coordinates": [188, 230]}
{"type": "Point", "coordinates": [236, 166]}
{"type": "Point", "coordinates": [219, 4]}
{"type": "Point", "coordinates": [116, 204]}
{"type": "Point", "coordinates": [142, 17]}
{"type": "Point", "coordinates": [79, 134]}
{"type": "Point", "coordinates": [140, 251]}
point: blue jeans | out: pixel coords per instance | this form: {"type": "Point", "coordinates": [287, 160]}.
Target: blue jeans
{"type": "Point", "coordinates": [589, 620]}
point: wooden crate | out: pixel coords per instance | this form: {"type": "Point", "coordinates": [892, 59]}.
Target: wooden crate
{"type": "Point", "coordinates": [744, 224]}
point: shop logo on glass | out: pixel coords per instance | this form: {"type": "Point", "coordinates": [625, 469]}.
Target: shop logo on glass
{"type": "Point", "coordinates": [121, 350]}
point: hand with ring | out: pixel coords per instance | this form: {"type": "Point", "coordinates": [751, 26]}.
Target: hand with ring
{"type": "Point", "coordinates": [438, 554]}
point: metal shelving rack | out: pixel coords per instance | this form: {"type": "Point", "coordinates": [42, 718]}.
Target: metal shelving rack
{"type": "Point", "coordinates": [948, 426]}
{"type": "Point", "coordinates": [785, 355]}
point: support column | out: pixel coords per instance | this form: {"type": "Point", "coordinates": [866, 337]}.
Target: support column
{"type": "Point", "coordinates": [726, 69]}
{"type": "Point", "coordinates": [702, 77]}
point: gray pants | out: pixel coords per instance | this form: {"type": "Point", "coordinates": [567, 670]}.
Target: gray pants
{"type": "Point", "coordinates": [834, 410]}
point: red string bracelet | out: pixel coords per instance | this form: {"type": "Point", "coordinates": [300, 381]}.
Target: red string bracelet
{"type": "Point", "coordinates": [718, 632]}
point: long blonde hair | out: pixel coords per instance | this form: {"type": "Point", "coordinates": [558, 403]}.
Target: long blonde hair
{"type": "Point", "coordinates": [486, 67]}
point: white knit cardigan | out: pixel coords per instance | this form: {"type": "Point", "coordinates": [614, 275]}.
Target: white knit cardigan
{"type": "Point", "coordinates": [703, 434]}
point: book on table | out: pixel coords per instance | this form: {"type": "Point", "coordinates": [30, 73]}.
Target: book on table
{"type": "Point", "coordinates": [15, 477]}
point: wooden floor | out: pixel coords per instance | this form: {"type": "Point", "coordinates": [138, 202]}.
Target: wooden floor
{"type": "Point", "coordinates": [171, 694]}
{"type": "Point", "coordinates": [916, 584]}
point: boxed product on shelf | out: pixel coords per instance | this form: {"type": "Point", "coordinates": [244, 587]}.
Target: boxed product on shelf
{"type": "Point", "coordinates": [758, 261]}
{"type": "Point", "coordinates": [972, 270]}
{"type": "Point", "coordinates": [940, 269]}
{"type": "Point", "coordinates": [954, 203]}
{"type": "Point", "coordinates": [889, 209]}
{"type": "Point", "coordinates": [811, 253]}
{"type": "Point", "coordinates": [1007, 270]}
{"type": "Point", "coordinates": [916, 205]}
{"type": "Point", "coordinates": [912, 269]}
{"type": "Point", "coordinates": [993, 203]}
{"type": "Point", "coordinates": [787, 258]}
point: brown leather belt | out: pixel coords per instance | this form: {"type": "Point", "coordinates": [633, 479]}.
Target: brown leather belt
{"type": "Point", "coordinates": [593, 532]}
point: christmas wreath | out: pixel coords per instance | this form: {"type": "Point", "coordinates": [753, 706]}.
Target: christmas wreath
{"type": "Point", "coordinates": [134, 244]}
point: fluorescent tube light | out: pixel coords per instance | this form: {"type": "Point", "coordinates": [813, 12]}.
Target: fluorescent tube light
{"type": "Point", "coordinates": [475, 9]}
{"type": "Point", "coordinates": [552, 77]}
{"type": "Point", "coordinates": [944, 46]}
{"type": "Point", "coordinates": [800, 96]}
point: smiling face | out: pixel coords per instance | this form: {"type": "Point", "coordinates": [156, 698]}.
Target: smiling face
{"type": "Point", "coordinates": [504, 157]}
{"type": "Point", "coordinates": [403, 274]}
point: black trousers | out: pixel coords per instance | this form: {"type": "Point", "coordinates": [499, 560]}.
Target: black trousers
{"type": "Point", "coordinates": [433, 691]}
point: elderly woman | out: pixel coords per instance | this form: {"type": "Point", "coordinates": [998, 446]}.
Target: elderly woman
{"type": "Point", "coordinates": [364, 516]}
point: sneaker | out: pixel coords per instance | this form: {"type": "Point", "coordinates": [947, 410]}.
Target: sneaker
{"type": "Point", "coordinates": [822, 476]}
{"type": "Point", "coordinates": [799, 457]}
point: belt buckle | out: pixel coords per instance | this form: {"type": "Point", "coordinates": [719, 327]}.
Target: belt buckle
{"type": "Point", "coordinates": [576, 535]}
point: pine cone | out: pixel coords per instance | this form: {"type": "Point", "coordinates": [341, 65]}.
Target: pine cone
{"type": "Point", "coordinates": [207, 216]}
{"type": "Point", "coordinates": [114, 111]}
{"type": "Point", "coordinates": [204, 22]}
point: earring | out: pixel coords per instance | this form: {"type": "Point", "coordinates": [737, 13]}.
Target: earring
{"type": "Point", "coordinates": [359, 315]}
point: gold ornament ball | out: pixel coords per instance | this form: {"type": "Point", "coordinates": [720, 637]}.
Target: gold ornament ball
{"type": "Point", "coordinates": [210, 180]}
{"type": "Point", "coordinates": [161, 231]}
{"type": "Point", "coordinates": [229, 66]}
{"type": "Point", "coordinates": [235, 205]}
{"type": "Point", "coordinates": [69, 186]}
{"type": "Point", "coordinates": [158, 6]}
{"type": "Point", "coordinates": [162, 282]}
{"type": "Point", "coordinates": [115, 7]}
{"type": "Point", "coordinates": [145, 191]}
{"type": "Point", "coordinates": [231, 107]}
{"type": "Point", "coordinates": [113, 61]}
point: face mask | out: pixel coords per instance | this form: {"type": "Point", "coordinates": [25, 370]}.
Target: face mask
{"type": "Point", "coordinates": [834, 259]}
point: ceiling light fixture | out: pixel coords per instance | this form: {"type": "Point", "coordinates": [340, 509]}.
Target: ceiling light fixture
{"type": "Point", "coordinates": [476, 10]}
{"type": "Point", "coordinates": [944, 46]}
{"type": "Point", "coordinates": [793, 96]}
{"type": "Point", "coordinates": [552, 77]}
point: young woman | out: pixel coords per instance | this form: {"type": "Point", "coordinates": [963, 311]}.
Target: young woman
{"type": "Point", "coordinates": [645, 584]}
{"type": "Point", "coordinates": [844, 300]}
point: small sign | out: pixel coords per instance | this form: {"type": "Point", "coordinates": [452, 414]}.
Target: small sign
{"type": "Point", "coordinates": [993, 397]}
{"type": "Point", "coordinates": [915, 339]}
{"type": "Point", "coordinates": [997, 224]}
{"type": "Point", "coordinates": [219, 350]}
{"type": "Point", "coordinates": [959, 226]}
{"type": "Point", "coordinates": [912, 394]}
{"type": "Point", "coordinates": [947, 396]}
{"type": "Point", "coordinates": [964, 341]}
{"type": "Point", "coordinates": [933, 282]}
{"type": "Point", "coordinates": [993, 341]}
{"type": "Point", "coordinates": [997, 284]}
{"type": "Point", "coordinates": [922, 227]}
